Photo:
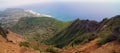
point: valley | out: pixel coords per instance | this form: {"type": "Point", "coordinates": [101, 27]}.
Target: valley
{"type": "Point", "coordinates": [25, 32]}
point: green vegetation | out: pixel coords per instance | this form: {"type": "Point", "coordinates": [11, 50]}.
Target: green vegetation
{"type": "Point", "coordinates": [103, 41]}
{"type": "Point", "coordinates": [74, 34]}
{"type": "Point", "coordinates": [118, 38]}
{"type": "Point", "coordinates": [38, 48]}
{"type": "Point", "coordinates": [61, 34]}
{"type": "Point", "coordinates": [52, 50]}
{"type": "Point", "coordinates": [25, 44]}
{"type": "Point", "coordinates": [78, 33]}
{"type": "Point", "coordinates": [86, 38]}
{"type": "Point", "coordinates": [111, 31]}
{"type": "Point", "coordinates": [4, 33]}
{"type": "Point", "coordinates": [38, 28]}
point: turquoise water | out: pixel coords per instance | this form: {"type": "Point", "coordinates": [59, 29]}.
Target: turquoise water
{"type": "Point", "coordinates": [72, 10]}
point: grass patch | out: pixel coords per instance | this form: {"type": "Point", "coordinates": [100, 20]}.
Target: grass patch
{"type": "Point", "coordinates": [25, 44]}
{"type": "Point", "coordinates": [52, 50]}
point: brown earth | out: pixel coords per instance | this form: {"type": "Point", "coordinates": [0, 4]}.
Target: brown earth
{"type": "Point", "coordinates": [92, 47]}
{"type": "Point", "coordinates": [12, 46]}
{"type": "Point", "coordinates": [15, 38]}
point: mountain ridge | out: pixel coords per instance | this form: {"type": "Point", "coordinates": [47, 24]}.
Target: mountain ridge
{"type": "Point", "coordinates": [77, 36]}
{"type": "Point", "coordinates": [107, 30]}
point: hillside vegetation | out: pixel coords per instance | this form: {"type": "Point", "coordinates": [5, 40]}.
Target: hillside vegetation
{"type": "Point", "coordinates": [84, 31]}
{"type": "Point", "coordinates": [47, 34]}
{"type": "Point", "coordinates": [38, 28]}
{"type": "Point", "coordinates": [9, 43]}
{"type": "Point", "coordinates": [78, 32]}
{"type": "Point", "coordinates": [110, 30]}
{"type": "Point", "coordinates": [3, 32]}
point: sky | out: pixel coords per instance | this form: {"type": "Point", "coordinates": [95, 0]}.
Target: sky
{"type": "Point", "coordinates": [68, 9]}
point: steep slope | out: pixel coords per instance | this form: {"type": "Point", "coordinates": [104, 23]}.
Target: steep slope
{"type": "Point", "coordinates": [12, 46]}
{"type": "Point", "coordinates": [82, 31]}
{"type": "Point", "coordinates": [106, 38]}
{"type": "Point", "coordinates": [9, 47]}
{"type": "Point", "coordinates": [110, 47]}
{"type": "Point", "coordinates": [110, 31]}
{"type": "Point", "coordinates": [15, 38]}
{"type": "Point", "coordinates": [93, 47]}
{"type": "Point", "coordinates": [38, 28]}
{"type": "Point", "coordinates": [85, 48]}
{"type": "Point", "coordinates": [75, 33]}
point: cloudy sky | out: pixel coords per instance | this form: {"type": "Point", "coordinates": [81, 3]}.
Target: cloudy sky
{"type": "Point", "coordinates": [68, 9]}
{"type": "Point", "coordinates": [12, 3]}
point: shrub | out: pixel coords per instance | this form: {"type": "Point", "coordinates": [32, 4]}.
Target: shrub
{"type": "Point", "coordinates": [103, 41]}
{"type": "Point", "coordinates": [118, 38]}
{"type": "Point", "coordinates": [85, 41]}
{"type": "Point", "coordinates": [92, 36]}
{"type": "Point", "coordinates": [25, 44]}
{"type": "Point", "coordinates": [52, 50]}
{"type": "Point", "coordinates": [37, 48]}
{"type": "Point", "coordinates": [3, 32]}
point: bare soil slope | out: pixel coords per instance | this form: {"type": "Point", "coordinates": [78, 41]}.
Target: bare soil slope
{"type": "Point", "coordinates": [92, 47]}
{"type": "Point", "coordinates": [12, 46]}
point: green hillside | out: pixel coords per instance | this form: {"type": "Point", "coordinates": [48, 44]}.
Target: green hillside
{"type": "Point", "coordinates": [3, 32]}
{"type": "Point", "coordinates": [110, 30]}
{"type": "Point", "coordinates": [83, 31]}
{"type": "Point", "coordinates": [38, 28]}
{"type": "Point", "coordinates": [76, 33]}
